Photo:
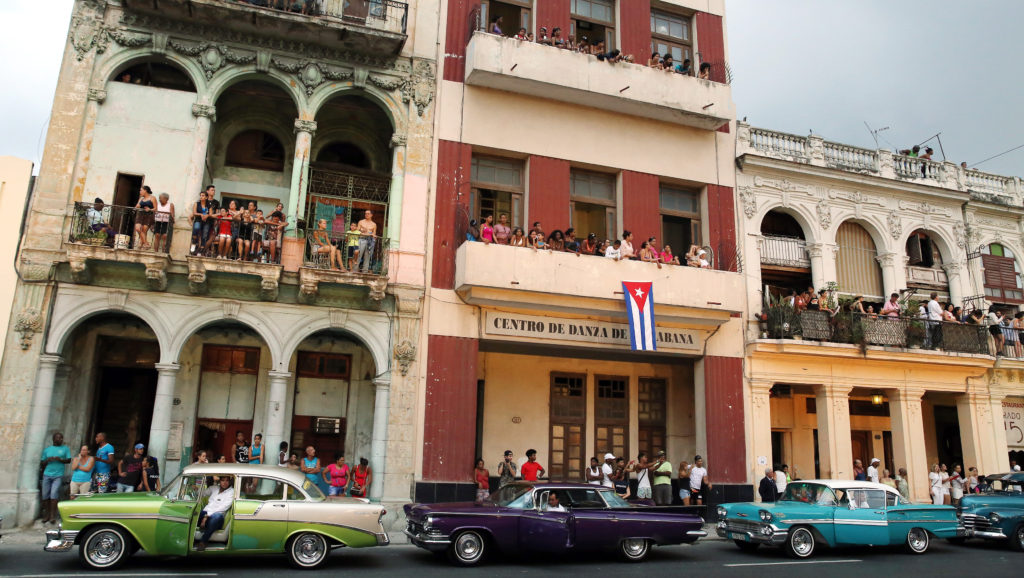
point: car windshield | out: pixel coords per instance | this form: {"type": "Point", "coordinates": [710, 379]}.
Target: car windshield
{"type": "Point", "coordinates": [614, 500]}
{"type": "Point", "coordinates": [171, 489]}
{"type": "Point", "coordinates": [513, 496]}
{"type": "Point", "coordinates": [809, 493]}
{"type": "Point", "coordinates": [313, 491]}
{"type": "Point", "coordinates": [1004, 483]}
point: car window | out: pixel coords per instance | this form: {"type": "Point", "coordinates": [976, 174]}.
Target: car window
{"type": "Point", "coordinates": [855, 499]}
{"type": "Point", "coordinates": [894, 499]}
{"type": "Point", "coordinates": [517, 496]}
{"type": "Point", "coordinates": [313, 491]}
{"type": "Point", "coordinates": [614, 500]}
{"type": "Point", "coordinates": [294, 495]}
{"type": "Point", "coordinates": [581, 498]}
{"type": "Point", "coordinates": [192, 488]}
{"type": "Point", "coordinates": [808, 493]}
{"type": "Point", "coordinates": [172, 490]}
{"type": "Point", "coordinates": [260, 488]}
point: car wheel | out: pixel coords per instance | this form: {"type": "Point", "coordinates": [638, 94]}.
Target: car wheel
{"type": "Point", "coordinates": [917, 541]}
{"type": "Point", "coordinates": [800, 543]}
{"type": "Point", "coordinates": [467, 548]}
{"type": "Point", "coordinates": [307, 551]}
{"type": "Point", "coordinates": [746, 546]}
{"type": "Point", "coordinates": [104, 548]}
{"type": "Point", "coordinates": [635, 549]}
{"type": "Point", "coordinates": [1017, 539]}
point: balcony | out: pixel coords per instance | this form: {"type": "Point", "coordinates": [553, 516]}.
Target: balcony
{"type": "Point", "coordinates": [927, 277]}
{"type": "Point", "coordinates": [350, 260]}
{"type": "Point", "coordinates": [784, 252]}
{"type": "Point", "coordinates": [500, 275]}
{"type": "Point", "coordinates": [107, 233]}
{"type": "Point", "coordinates": [551, 73]}
{"type": "Point", "coordinates": [372, 27]}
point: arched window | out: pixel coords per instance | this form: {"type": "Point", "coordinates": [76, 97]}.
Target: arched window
{"type": "Point", "coordinates": [922, 251]}
{"type": "Point", "coordinates": [1002, 274]}
{"type": "Point", "coordinates": [156, 75]}
{"type": "Point", "coordinates": [856, 265]}
{"type": "Point", "coordinates": [344, 153]}
{"type": "Point", "coordinates": [255, 149]}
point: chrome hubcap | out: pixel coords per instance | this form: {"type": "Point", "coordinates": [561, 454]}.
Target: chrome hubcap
{"type": "Point", "coordinates": [918, 541]}
{"type": "Point", "coordinates": [469, 546]}
{"type": "Point", "coordinates": [104, 547]}
{"type": "Point", "coordinates": [309, 549]}
{"type": "Point", "coordinates": [802, 542]}
{"type": "Point", "coordinates": [634, 547]}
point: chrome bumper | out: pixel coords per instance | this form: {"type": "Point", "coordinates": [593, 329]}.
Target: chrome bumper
{"type": "Point", "coordinates": [383, 539]}
{"type": "Point", "coordinates": [60, 540]}
{"type": "Point", "coordinates": [993, 535]}
{"type": "Point", "coordinates": [777, 537]}
{"type": "Point", "coordinates": [433, 542]}
{"type": "Point", "coordinates": [697, 533]}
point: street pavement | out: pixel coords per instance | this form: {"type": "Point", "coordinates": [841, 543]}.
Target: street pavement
{"type": "Point", "coordinates": [21, 556]}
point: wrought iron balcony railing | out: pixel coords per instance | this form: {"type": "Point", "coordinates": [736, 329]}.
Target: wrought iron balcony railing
{"type": "Point", "coordinates": [117, 227]}
{"type": "Point", "coordinates": [347, 252]}
{"type": "Point", "coordinates": [237, 238]}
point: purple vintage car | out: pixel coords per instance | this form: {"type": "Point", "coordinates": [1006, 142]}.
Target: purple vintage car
{"type": "Point", "coordinates": [518, 518]}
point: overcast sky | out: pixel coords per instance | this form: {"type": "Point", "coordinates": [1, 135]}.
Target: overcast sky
{"type": "Point", "coordinates": [919, 68]}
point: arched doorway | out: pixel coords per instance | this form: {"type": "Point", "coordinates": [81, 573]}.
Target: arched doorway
{"type": "Point", "coordinates": [785, 263]}
{"type": "Point", "coordinates": [857, 268]}
{"type": "Point", "coordinates": [924, 266]}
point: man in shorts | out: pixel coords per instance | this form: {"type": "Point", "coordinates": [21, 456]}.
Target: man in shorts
{"type": "Point", "coordinates": [104, 463]}
{"type": "Point", "coordinates": [54, 459]}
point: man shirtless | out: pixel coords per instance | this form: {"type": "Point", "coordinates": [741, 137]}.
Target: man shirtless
{"type": "Point", "coordinates": [367, 234]}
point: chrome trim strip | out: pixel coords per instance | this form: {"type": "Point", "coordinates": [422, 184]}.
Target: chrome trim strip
{"type": "Point", "coordinates": [861, 523]}
{"type": "Point", "coordinates": [422, 539]}
{"type": "Point", "coordinates": [921, 522]}
{"type": "Point", "coordinates": [698, 533]}
{"type": "Point", "coordinates": [805, 521]}
{"type": "Point", "coordinates": [988, 535]}
{"type": "Point", "coordinates": [163, 517]}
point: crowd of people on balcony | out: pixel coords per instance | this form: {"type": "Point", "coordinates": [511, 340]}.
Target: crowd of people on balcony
{"type": "Point", "coordinates": [152, 214]}
{"type": "Point", "coordinates": [233, 232]}
{"type": "Point", "coordinates": [598, 49]}
{"type": "Point", "coordinates": [500, 233]}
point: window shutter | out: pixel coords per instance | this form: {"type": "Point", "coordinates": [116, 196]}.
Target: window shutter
{"type": "Point", "coordinates": [914, 249]}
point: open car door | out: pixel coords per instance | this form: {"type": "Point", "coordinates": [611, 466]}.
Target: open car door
{"type": "Point", "coordinates": [542, 531]}
{"type": "Point", "coordinates": [177, 515]}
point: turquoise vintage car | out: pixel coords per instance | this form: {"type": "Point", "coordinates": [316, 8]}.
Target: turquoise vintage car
{"type": "Point", "coordinates": [998, 514]}
{"type": "Point", "coordinates": [274, 510]}
{"type": "Point", "coordinates": [836, 513]}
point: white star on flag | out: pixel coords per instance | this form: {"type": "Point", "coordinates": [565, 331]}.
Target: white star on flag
{"type": "Point", "coordinates": [639, 292]}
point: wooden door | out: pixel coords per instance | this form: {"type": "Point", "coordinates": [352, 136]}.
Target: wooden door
{"type": "Point", "coordinates": [861, 443]}
{"type": "Point", "coordinates": [568, 419]}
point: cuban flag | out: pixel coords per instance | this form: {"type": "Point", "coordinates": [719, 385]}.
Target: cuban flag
{"type": "Point", "coordinates": [640, 310]}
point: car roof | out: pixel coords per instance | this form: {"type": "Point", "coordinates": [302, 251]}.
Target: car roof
{"type": "Point", "coordinates": [848, 485]}
{"type": "Point", "coordinates": [294, 477]}
{"type": "Point", "coordinates": [1009, 476]}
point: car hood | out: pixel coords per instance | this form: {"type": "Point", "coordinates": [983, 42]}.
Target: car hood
{"type": "Point", "coordinates": [780, 510]}
{"type": "Point", "coordinates": [126, 497]}
{"type": "Point", "coordinates": [968, 503]}
{"type": "Point", "coordinates": [419, 511]}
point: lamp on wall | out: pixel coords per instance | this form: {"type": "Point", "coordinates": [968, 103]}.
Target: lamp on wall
{"type": "Point", "coordinates": [877, 398]}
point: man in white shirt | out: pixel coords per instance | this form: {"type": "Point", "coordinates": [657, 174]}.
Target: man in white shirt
{"type": "Point", "coordinates": [873, 470]}
{"type": "Point", "coordinates": [934, 312]}
{"type": "Point", "coordinates": [615, 251]}
{"type": "Point", "coordinates": [553, 505]}
{"type": "Point", "coordinates": [211, 518]}
{"type": "Point", "coordinates": [698, 480]}
{"type": "Point", "coordinates": [781, 479]}
{"type": "Point", "coordinates": [607, 470]}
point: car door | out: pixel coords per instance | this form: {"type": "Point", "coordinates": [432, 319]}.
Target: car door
{"type": "Point", "coordinates": [174, 522]}
{"type": "Point", "coordinates": [860, 518]}
{"type": "Point", "coordinates": [596, 526]}
{"type": "Point", "coordinates": [542, 531]}
{"type": "Point", "coordinates": [260, 515]}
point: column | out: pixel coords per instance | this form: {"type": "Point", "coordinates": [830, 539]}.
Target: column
{"type": "Point", "coordinates": [394, 216]}
{"type": "Point", "coordinates": [205, 115]}
{"type": "Point", "coordinates": [835, 449]}
{"type": "Point", "coordinates": [160, 427]}
{"type": "Point", "coordinates": [96, 97]}
{"type": "Point", "coordinates": [894, 276]}
{"type": "Point", "coordinates": [908, 443]}
{"type": "Point", "coordinates": [974, 413]}
{"type": "Point", "coordinates": [1002, 452]}
{"type": "Point", "coordinates": [304, 130]}
{"type": "Point", "coordinates": [379, 442]}
{"type": "Point", "coordinates": [819, 275]}
{"type": "Point", "coordinates": [761, 428]}
{"type": "Point", "coordinates": [35, 429]}
{"type": "Point", "coordinates": [956, 293]}
{"type": "Point", "coordinates": [273, 427]}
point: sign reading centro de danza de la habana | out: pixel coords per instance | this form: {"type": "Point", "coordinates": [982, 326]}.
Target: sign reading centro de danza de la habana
{"type": "Point", "coordinates": [584, 331]}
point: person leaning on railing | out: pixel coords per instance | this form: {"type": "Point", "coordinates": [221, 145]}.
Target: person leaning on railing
{"type": "Point", "coordinates": [96, 219]}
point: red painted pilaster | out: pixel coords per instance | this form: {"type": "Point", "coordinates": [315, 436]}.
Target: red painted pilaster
{"type": "Point", "coordinates": [457, 33]}
{"type": "Point", "coordinates": [549, 193]}
{"type": "Point", "coordinates": [449, 419]}
{"type": "Point", "coordinates": [723, 409]}
{"type": "Point", "coordinates": [640, 206]}
{"type": "Point", "coordinates": [722, 226]}
{"type": "Point", "coordinates": [451, 209]}
{"type": "Point", "coordinates": [635, 28]}
{"type": "Point", "coordinates": [711, 44]}
{"type": "Point", "coordinates": [551, 14]}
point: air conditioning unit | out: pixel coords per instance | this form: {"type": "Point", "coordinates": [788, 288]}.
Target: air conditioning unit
{"type": "Point", "coordinates": [327, 425]}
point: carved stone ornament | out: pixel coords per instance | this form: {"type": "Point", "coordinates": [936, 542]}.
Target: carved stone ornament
{"type": "Point", "coordinates": [960, 232]}
{"type": "Point", "coordinates": [399, 140]}
{"type": "Point", "coordinates": [204, 110]}
{"type": "Point", "coordinates": [28, 324]}
{"type": "Point", "coordinates": [895, 225]}
{"type": "Point", "coordinates": [117, 299]}
{"type": "Point", "coordinates": [309, 73]}
{"type": "Point", "coordinates": [749, 202]}
{"type": "Point", "coordinates": [824, 214]}
{"type": "Point", "coordinates": [88, 32]}
{"type": "Point", "coordinates": [97, 94]}
{"type": "Point", "coordinates": [405, 353]}
{"type": "Point", "coordinates": [212, 57]}
{"type": "Point", "coordinates": [420, 87]}
{"type": "Point", "coordinates": [231, 308]}
{"type": "Point", "coordinates": [305, 126]}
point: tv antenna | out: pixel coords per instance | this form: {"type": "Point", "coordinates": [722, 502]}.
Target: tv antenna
{"type": "Point", "coordinates": [874, 132]}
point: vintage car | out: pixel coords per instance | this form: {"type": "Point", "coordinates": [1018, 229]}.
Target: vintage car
{"type": "Point", "coordinates": [274, 510]}
{"type": "Point", "coordinates": [998, 514]}
{"type": "Point", "coordinates": [836, 513]}
{"type": "Point", "coordinates": [516, 519]}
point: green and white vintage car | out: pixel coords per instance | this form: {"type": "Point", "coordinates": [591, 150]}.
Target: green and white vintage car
{"type": "Point", "coordinates": [275, 510]}
{"type": "Point", "coordinates": [815, 513]}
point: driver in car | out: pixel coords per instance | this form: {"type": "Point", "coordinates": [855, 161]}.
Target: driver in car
{"type": "Point", "coordinates": [858, 500]}
{"type": "Point", "coordinates": [553, 505]}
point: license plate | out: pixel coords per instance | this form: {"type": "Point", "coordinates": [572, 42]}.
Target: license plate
{"type": "Point", "coordinates": [735, 536]}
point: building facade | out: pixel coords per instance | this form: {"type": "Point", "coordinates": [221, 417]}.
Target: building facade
{"type": "Point", "coordinates": [827, 388]}
{"type": "Point", "coordinates": [144, 325]}
{"type": "Point", "coordinates": [530, 349]}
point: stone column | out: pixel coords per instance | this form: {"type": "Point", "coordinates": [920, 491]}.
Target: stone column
{"type": "Point", "coordinates": [999, 444]}
{"type": "Point", "coordinates": [273, 424]}
{"type": "Point", "coordinates": [95, 96]}
{"type": "Point", "coordinates": [761, 427]}
{"type": "Point", "coordinates": [35, 431]}
{"type": "Point", "coordinates": [823, 263]}
{"type": "Point", "coordinates": [304, 130]}
{"type": "Point", "coordinates": [894, 276]}
{"type": "Point", "coordinates": [160, 426]}
{"type": "Point", "coordinates": [205, 115]}
{"type": "Point", "coordinates": [379, 441]}
{"type": "Point", "coordinates": [908, 443]}
{"type": "Point", "coordinates": [974, 412]}
{"type": "Point", "coordinates": [394, 217]}
{"type": "Point", "coordinates": [835, 447]}
{"type": "Point", "coordinates": [956, 292]}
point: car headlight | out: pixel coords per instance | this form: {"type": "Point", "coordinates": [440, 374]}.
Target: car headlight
{"type": "Point", "coordinates": [766, 530]}
{"type": "Point", "coordinates": [428, 523]}
{"type": "Point", "coordinates": [765, 515]}
{"type": "Point", "coordinates": [995, 518]}
{"type": "Point", "coordinates": [722, 512]}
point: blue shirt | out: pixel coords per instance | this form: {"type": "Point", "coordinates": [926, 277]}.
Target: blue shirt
{"type": "Point", "coordinates": [101, 454]}
{"type": "Point", "coordinates": [78, 476]}
{"type": "Point", "coordinates": [55, 469]}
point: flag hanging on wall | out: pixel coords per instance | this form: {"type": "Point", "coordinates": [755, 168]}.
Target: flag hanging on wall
{"type": "Point", "coordinates": [640, 310]}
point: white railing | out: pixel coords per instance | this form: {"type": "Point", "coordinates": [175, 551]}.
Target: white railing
{"type": "Point", "coordinates": [784, 252]}
{"type": "Point", "coordinates": [916, 168]}
{"type": "Point", "coordinates": [988, 183]}
{"type": "Point", "coordinates": [849, 157]}
{"type": "Point", "coordinates": [779, 143]}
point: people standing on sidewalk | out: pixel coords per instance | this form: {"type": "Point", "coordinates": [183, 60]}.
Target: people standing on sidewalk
{"type": "Point", "coordinates": [621, 479]}
{"type": "Point", "coordinates": [483, 481]}
{"type": "Point", "coordinates": [684, 481]}
{"type": "Point", "coordinates": [241, 448]}
{"type": "Point", "coordinates": [256, 450]}
{"type": "Point", "coordinates": [282, 455]}
{"type": "Point", "coordinates": [902, 485]}
{"type": "Point", "coordinates": [129, 470]}
{"type": "Point", "coordinates": [946, 486]}
{"type": "Point", "coordinates": [643, 476]}
{"type": "Point", "coordinates": [956, 485]}
{"type": "Point", "coordinates": [81, 472]}
{"type": "Point", "coordinates": [532, 470]}
{"type": "Point", "coordinates": [151, 475]}
{"type": "Point", "coordinates": [661, 480]}
{"type": "Point", "coordinates": [781, 479]}
{"type": "Point", "coordinates": [336, 475]}
{"type": "Point", "coordinates": [362, 477]}
{"type": "Point", "coordinates": [935, 485]}
{"type": "Point", "coordinates": [972, 480]}
{"type": "Point", "coordinates": [768, 489]}
{"type": "Point", "coordinates": [608, 471]}
{"type": "Point", "coordinates": [700, 482]}
{"type": "Point", "coordinates": [872, 473]}
{"type": "Point", "coordinates": [593, 474]}
{"type": "Point", "coordinates": [53, 460]}
{"type": "Point", "coordinates": [506, 470]}
{"type": "Point", "coordinates": [310, 465]}
{"type": "Point", "coordinates": [888, 480]}
{"type": "Point", "coordinates": [104, 464]}
{"type": "Point", "coordinates": [858, 471]}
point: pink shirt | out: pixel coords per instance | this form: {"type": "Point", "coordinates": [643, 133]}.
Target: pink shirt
{"type": "Point", "coordinates": [487, 233]}
{"type": "Point", "coordinates": [339, 476]}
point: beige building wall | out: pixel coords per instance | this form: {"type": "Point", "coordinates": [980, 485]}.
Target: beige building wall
{"type": "Point", "coordinates": [15, 178]}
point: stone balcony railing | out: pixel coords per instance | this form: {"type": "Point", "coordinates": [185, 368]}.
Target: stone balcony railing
{"type": "Point", "coordinates": [784, 252]}
{"type": "Point", "coordinates": [814, 150]}
{"type": "Point", "coordinates": [551, 73]}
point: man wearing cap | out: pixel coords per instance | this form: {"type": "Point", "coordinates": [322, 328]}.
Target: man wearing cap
{"type": "Point", "coordinates": [873, 470]}
{"type": "Point", "coordinates": [607, 470]}
{"type": "Point", "coordinates": [129, 471]}
{"type": "Point", "coordinates": [661, 480]}
{"type": "Point", "coordinates": [506, 470]}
